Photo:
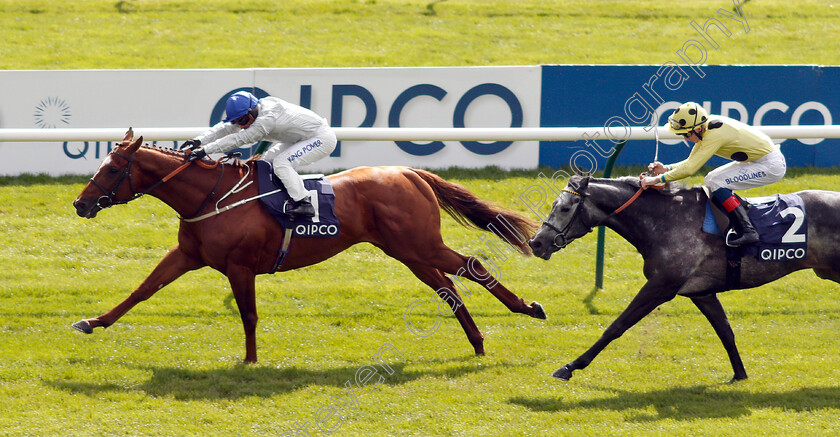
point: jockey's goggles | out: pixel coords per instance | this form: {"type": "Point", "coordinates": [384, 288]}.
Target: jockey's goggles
{"type": "Point", "coordinates": [242, 121]}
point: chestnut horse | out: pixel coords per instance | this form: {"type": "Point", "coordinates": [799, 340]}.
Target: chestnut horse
{"type": "Point", "coordinates": [394, 208]}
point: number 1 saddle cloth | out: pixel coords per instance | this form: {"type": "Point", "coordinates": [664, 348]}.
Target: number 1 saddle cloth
{"type": "Point", "coordinates": [324, 224]}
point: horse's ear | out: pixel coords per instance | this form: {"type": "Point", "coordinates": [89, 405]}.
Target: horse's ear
{"type": "Point", "coordinates": [129, 135]}
{"type": "Point", "coordinates": [584, 183]}
{"type": "Point", "coordinates": [135, 145]}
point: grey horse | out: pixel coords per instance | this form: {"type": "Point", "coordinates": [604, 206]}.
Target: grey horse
{"type": "Point", "coordinates": [679, 258]}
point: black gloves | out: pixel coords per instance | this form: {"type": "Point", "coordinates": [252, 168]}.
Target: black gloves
{"type": "Point", "coordinates": [196, 154]}
{"type": "Point", "coordinates": [190, 144]}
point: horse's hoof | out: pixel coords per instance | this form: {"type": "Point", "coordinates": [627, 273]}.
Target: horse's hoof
{"type": "Point", "coordinates": [539, 312]}
{"type": "Point", "coordinates": [737, 379]}
{"type": "Point", "coordinates": [83, 326]}
{"type": "Point", "coordinates": [563, 373]}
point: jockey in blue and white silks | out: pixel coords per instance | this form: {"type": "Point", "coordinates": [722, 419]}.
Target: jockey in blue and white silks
{"type": "Point", "coordinates": [300, 137]}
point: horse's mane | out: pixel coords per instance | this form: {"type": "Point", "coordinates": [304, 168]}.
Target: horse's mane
{"type": "Point", "coordinates": [164, 150]}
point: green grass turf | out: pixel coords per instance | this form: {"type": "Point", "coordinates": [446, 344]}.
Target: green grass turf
{"type": "Point", "coordinates": [83, 34]}
{"type": "Point", "coordinates": [172, 365]}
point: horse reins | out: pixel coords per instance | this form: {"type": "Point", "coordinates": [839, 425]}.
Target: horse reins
{"type": "Point", "coordinates": [627, 203]}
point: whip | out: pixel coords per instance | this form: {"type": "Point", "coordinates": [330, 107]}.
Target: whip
{"type": "Point", "coordinates": [656, 134]}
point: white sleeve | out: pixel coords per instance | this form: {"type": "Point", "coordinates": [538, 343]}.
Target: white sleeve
{"type": "Point", "coordinates": [218, 131]}
{"type": "Point", "coordinates": [226, 138]}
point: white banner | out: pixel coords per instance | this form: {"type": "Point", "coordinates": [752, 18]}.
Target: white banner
{"type": "Point", "coordinates": [439, 97]}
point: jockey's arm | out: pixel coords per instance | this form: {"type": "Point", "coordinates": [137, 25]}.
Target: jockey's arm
{"type": "Point", "coordinates": [657, 168]}
{"type": "Point", "coordinates": [219, 130]}
{"type": "Point", "coordinates": [223, 139]}
{"type": "Point", "coordinates": [699, 155]}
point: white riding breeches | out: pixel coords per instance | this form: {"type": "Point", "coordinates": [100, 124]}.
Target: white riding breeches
{"type": "Point", "coordinates": [287, 158]}
{"type": "Point", "coordinates": [745, 175]}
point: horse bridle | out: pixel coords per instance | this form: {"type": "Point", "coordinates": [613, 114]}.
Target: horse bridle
{"type": "Point", "coordinates": [107, 199]}
{"type": "Point", "coordinates": [561, 233]}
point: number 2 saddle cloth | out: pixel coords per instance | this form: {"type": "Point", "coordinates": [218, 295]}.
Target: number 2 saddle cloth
{"type": "Point", "coordinates": [781, 223]}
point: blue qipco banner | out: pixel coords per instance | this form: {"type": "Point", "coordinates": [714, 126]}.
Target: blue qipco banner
{"type": "Point", "coordinates": [615, 97]}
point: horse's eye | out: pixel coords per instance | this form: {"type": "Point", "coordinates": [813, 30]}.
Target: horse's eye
{"type": "Point", "coordinates": [565, 209]}
{"type": "Point", "coordinates": [113, 170]}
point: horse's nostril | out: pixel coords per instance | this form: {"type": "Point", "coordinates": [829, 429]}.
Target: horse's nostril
{"type": "Point", "coordinates": [534, 244]}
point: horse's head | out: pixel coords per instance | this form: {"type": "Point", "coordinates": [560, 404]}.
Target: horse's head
{"type": "Point", "coordinates": [111, 184]}
{"type": "Point", "coordinates": [564, 223]}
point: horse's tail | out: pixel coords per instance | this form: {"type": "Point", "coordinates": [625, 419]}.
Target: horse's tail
{"type": "Point", "coordinates": [468, 210]}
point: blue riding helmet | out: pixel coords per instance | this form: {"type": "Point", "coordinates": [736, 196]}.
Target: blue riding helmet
{"type": "Point", "coordinates": [239, 104]}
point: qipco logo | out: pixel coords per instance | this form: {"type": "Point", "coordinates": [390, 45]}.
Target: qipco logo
{"type": "Point", "coordinates": [458, 117]}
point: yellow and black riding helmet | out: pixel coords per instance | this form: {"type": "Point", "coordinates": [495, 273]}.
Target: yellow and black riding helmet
{"type": "Point", "coordinates": [687, 117]}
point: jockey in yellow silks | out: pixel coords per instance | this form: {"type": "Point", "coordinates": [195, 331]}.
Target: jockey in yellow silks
{"type": "Point", "coordinates": [756, 161]}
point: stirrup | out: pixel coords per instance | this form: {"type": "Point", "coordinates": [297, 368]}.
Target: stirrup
{"type": "Point", "coordinates": [732, 238]}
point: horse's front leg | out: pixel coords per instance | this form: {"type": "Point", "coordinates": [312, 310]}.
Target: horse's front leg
{"type": "Point", "coordinates": [243, 287]}
{"type": "Point", "coordinates": [171, 267]}
{"type": "Point", "coordinates": [648, 298]}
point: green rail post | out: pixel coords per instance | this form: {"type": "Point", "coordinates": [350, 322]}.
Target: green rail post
{"type": "Point", "coordinates": [599, 253]}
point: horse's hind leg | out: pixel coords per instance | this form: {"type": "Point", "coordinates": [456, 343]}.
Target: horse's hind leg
{"type": "Point", "coordinates": [711, 308]}
{"type": "Point", "coordinates": [471, 268]}
{"type": "Point", "coordinates": [446, 291]}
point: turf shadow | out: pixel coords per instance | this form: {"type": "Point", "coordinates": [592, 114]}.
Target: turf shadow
{"type": "Point", "coordinates": [690, 403]}
{"type": "Point", "coordinates": [249, 380]}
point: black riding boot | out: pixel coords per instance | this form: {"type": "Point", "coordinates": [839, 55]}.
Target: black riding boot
{"type": "Point", "coordinates": [302, 208]}
{"type": "Point", "coordinates": [740, 221]}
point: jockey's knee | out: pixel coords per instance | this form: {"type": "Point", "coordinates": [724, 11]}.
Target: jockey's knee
{"type": "Point", "coordinates": [712, 183]}
{"type": "Point", "coordinates": [281, 161]}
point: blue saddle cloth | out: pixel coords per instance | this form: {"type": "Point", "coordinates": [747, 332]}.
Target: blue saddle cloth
{"type": "Point", "coordinates": [781, 223]}
{"type": "Point", "coordinates": [324, 224]}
